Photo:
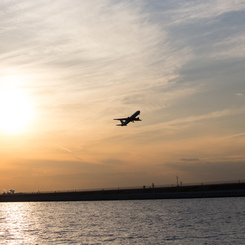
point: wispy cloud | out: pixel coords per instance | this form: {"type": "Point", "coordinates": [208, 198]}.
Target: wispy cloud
{"type": "Point", "coordinates": [190, 159]}
{"type": "Point", "coordinates": [239, 94]}
{"type": "Point", "coordinates": [192, 11]}
{"type": "Point", "coordinates": [182, 122]}
{"type": "Point", "coordinates": [235, 136]}
{"type": "Point", "coordinates": [230, 47]}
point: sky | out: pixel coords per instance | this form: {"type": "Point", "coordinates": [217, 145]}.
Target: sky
{"type": "Point", "coordinates": [68, 68]}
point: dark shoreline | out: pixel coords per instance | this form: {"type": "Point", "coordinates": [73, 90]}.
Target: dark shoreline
{"type": "Point", "coordinates": [177, 192]}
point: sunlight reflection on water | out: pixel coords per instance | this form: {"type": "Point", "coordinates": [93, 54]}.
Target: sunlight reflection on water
{"type": "Point", "coordinates": [17, 221]}
{"type": "Point", "coordinates": [187, 221]}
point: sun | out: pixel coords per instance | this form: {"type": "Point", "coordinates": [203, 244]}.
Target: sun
{"type": "Point", "coordinates": [15, 111]}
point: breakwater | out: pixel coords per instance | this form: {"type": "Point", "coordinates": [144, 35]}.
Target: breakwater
{"type": "Point", "coordinates": [177, 192]}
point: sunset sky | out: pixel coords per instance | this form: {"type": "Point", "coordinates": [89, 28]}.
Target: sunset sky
{"type": "Point", "coordinates": [68, 68]}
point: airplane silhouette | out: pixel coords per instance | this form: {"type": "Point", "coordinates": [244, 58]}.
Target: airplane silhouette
{"type": "Point", "coordinates": [126, 120]}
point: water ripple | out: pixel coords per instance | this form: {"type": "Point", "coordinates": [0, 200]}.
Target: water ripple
{"type": "Point", "coordinates": [187, 221]}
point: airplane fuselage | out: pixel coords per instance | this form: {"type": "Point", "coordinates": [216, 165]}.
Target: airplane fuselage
{"type": "Point", "coordinates": [135, 114]}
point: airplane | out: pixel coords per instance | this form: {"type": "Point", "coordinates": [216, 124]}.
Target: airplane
{"type": "Point", "coordinates": [126, 120]}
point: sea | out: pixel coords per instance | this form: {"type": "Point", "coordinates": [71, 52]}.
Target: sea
{"type": "Point", "coordinates": [179, 221]}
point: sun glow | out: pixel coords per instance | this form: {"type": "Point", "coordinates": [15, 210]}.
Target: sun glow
{"type": "Point", "coordinates": [15, 111]}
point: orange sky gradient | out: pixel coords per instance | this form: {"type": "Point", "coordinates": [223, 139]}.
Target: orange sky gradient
{"type": "Point", "coordinates": [68, 70]}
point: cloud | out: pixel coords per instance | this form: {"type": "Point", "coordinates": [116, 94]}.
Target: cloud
{"type": "Point", "coordinates": [115, 50]}
{"type": "Point", "coordinates": [73, 36]}
{"type": "Point", "coordinates": [112, 162]}
{"type": "Point", "coordinates": [189, 11]}
{"type": "Point", "coordinates": [235, 135]}
{"type": "Point", "coordinates": [190, 159]}
{"type": "Point", "coordinates": [189, 120]}
{"type": "Point", "coordinates": [230, 47]}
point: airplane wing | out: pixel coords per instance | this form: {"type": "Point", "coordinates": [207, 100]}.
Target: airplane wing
{"type": "Point", "coordinates": [124, 121]}
{"type": "Point", "coordinates": [121, 119]}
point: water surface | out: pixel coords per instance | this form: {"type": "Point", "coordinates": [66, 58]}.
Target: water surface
{"type": "Point", "coordinates": [183, 221]}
